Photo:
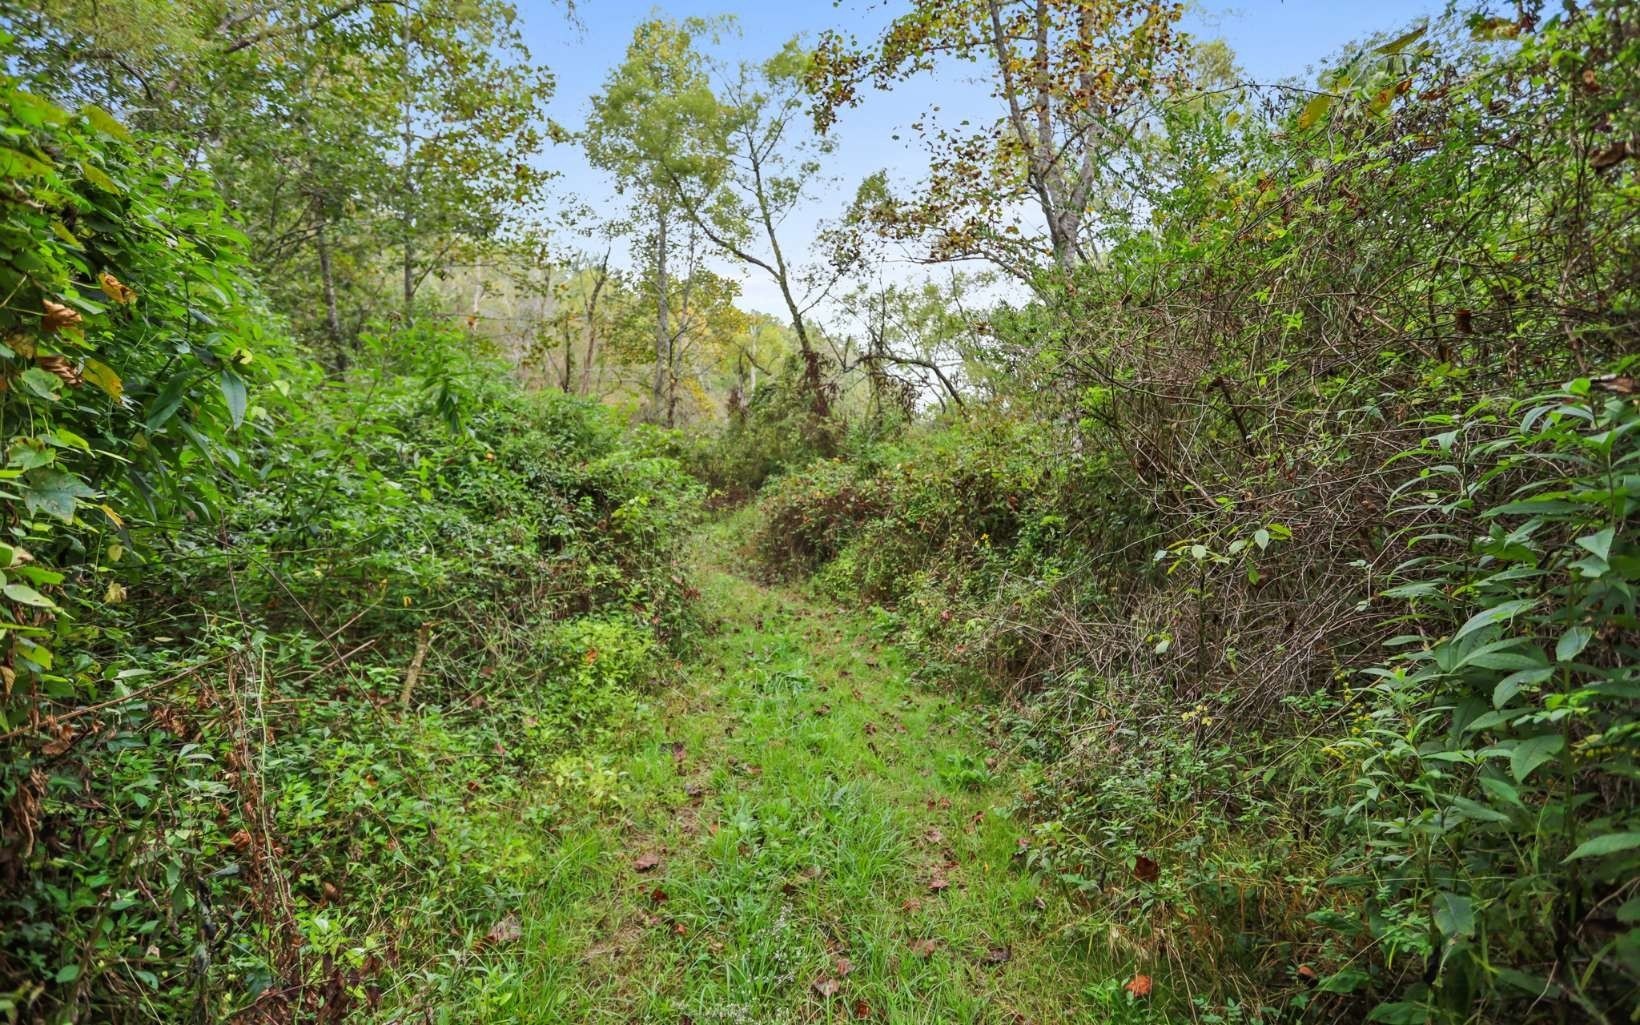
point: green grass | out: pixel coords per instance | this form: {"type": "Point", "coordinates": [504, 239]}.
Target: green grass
{"type": "Point", "coordinates": [804, 801]}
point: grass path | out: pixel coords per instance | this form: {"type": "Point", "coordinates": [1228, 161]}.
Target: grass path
{"type": "Point", "coordinates": [797, 833]}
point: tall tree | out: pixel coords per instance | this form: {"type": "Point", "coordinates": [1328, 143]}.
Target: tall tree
{"type": "Point", "coordinates": [1072, 81]}
{"type": "Point", "coordinates": [734, 160]}
{"type": "Point", "coordinates": [651, 127]}
{"type": "Point", "coordinates": [470, 127]}
{"type": "Point", "coordinates": [340, 130]}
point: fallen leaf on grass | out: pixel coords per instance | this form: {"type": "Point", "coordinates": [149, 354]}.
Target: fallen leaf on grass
{"type": "Point", "coordinates": [997, 955]}
{"type": "Point", "coordinates": [924, 948]}
{"type": "Point", "coordinates": [508, 930]}
{"type": "Point", "coordinates": [1139, 986]}
{"type": "Point", "coordinates": [659, 896]}
{"type": "Point", "coordinates": [842, 966]}
{"type": "Point", "coordinates": [646, 862]}
{"type": "Point", "coordinates": [939, 883]}
{"type": "Point", "coordinates": [862, 1010]}
{"type": "Point", "coordinates": [827, 986]}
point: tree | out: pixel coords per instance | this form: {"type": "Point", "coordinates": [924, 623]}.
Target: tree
{"type": "Point", "coordinates": [733, 162]}
{"type": "Point", "coordinates": [1072, 79]}
{"type": "Point", "coordinates": [647, 128]}
{"type": "Point", "coordinates": [917, 341]}
{"type": "Point", "coordinates": [470, 108]}
{"type": "Point", "coordinates": [340, 130]}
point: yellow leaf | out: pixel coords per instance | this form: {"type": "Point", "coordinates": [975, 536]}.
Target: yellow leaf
{"type": "Point", "coordinates": [113, 516]}
{"type": "Point", "coordinates": [114, 289]}
{"type": "Point", "coordinates": [1315, 110]}
{"type": "Point", "coordinates": [99, 374]}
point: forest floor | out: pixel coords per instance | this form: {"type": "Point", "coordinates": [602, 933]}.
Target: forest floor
{"type": "Point", "coordinates": [796, 833]}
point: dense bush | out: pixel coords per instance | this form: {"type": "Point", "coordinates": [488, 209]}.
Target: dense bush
{"type": "Point", "coordinates": [1273, 745]}
{"type": "Point", "coordinates": [285, 654]}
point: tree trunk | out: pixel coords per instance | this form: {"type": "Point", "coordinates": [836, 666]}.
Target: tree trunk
{"type": "Point", "coordinates": [598, 283]}
{"type": "Point", "coordinates": [406, 182]}
{"type": "Point", "coordinates": [663, 327]}
{"type": "Point", "coordinates": [333, 319]}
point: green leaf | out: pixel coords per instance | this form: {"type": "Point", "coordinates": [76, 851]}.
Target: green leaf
{"type": "Point", "coordinates": [55, 493]}
{"type": "Point", "coordinates": [1493, 615]}
{"type": "Point", "coordinates": [1511, 685]}
{"type": "Point", "coordinates": [233, 390]}
{"type": "Point", "coordinates": [1454, 914]}
{"type": "Point", "coordinates": [98, 177]}
{"type": "Point", "coordinates": [1477, 811]}
{"type": "Point", "coordinates": [1572, 643]}
{"type": "Point", "coordinates": [1600, 846]}
{"type": "Point", "coordinates": [41, 383]}
{"type": "Point", "coordinates": [1399, 1013]}
{"type": "Point", "coordinates": [1599, 544]}
{"type": "Point", "coordinates": [68, 973]}
{"type": "Point", "coordinates": [104, 122]}
{"type": "Point", "coordinates": [20, 165]}
{"type": "Point", "coordinates": [29, 454]}
{"type": "Point", "coordinates": [26, 595]}
{"type": "Point", "coordinates": [1501, 790]}
{"type": "Point", "coordinates": [1533, 752]}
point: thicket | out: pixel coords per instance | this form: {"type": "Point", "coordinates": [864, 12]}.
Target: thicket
{"type": "Point", "coordinates": [1303, 540]}
{"type": "Point", "coordinates": [283, 651]}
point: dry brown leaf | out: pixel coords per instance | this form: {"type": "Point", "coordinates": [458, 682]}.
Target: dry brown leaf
{"type": "Point", "coordinates": [508, 930]}
{"type": "Point", "coordinates": [1614, 383]}
{"type": "Point", "coordinates": [924, 948]}
{"type": "Point", "coordinates": [862, 1010]}
{"type": "Point", "coordinates": [57, 317]}
{"type": "Point", "coordinates": [646, 862]}
{"type": "Point", "coordinates": [1139, 986]}
{"type": "Point", "coordinates": [827, 986]}
{"type": "Point", "coordinates": [997, 955]}
{"type": "Point", "coordinates": [65, 370]}
{"type": "Point", "coordinates": [1611, 156]}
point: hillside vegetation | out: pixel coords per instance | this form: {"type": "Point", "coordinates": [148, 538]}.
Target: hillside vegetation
{"type": "Point", "coordinates": [429, 597]}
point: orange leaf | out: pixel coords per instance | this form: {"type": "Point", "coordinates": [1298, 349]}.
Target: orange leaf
{"type": "Point", "coordinates": [1139, 986]}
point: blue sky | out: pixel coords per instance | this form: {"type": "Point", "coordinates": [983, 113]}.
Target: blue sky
{"type": "Point", "coordinates": [1272, 40]}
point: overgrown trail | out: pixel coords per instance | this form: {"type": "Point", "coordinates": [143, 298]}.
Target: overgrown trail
{"type": "Point", "coordinates": [798, 833]}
